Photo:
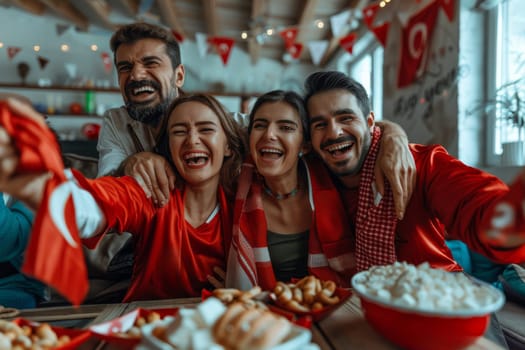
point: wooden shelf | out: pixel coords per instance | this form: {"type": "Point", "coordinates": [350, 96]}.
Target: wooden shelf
{"type": "Point", "coordinates": [57, 87]}
{"type": "Point", "coordinates": [112, 90]}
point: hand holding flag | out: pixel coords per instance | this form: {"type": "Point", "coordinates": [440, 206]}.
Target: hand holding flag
{"type": "Point", "coordinates": [32, 170]}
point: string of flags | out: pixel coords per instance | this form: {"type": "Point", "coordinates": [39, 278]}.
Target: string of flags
{"type": "Point", "coordinates": [417, 18]}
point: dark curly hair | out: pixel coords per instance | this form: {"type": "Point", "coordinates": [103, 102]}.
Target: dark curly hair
{"type": "Point", "coordinates": [133, 32]}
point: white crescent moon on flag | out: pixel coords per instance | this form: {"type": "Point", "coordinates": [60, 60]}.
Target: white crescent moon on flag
{"type": "Point", "coordinates": [57, 204]}
{"type": "Point", "coordinates": [421, 29]}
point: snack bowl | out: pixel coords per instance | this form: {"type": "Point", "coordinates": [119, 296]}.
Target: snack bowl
{"type": "Point", "coordinates": [304, 318]}
{"type": "Point", "coordinates": [76, 336]}
{"type": "Point", "coordinates": [115, 331]}
{"type": "Point", "coordinates": [423, 327]}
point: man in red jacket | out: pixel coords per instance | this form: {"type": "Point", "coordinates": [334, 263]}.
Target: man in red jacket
{"type": "Point", "coordinates": [450, 198]}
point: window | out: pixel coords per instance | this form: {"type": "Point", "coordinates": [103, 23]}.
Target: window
{"type": "Point", "coordinates": [506, 90]}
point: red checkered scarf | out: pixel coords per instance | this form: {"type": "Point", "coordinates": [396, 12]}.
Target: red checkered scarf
{"type": "Point", "coordinates": [330, 246]}
{"type": "Point", "coordinates": [375, 225]}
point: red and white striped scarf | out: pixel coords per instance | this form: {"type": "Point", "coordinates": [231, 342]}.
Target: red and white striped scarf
{"type": "Point", "coordinates": [330, 246]}
{"type": "Point", "coordinates": [375, 225]}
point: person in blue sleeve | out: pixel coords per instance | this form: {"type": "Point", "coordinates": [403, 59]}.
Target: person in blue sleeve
{"type": "Point", "coordinates": [16, 289]}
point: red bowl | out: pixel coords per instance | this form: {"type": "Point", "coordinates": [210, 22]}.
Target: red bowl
{"type": "Point", "coordinates": [412, 328]}
{"type": "Point", "coordinates": [110, 331]}
{"type": "Point", "coordinates": [77, 336]}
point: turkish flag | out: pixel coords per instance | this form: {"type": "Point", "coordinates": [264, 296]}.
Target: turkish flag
{"type": "Point", "coordinates": [54, 254]}
{"type": "Point", "coordinates": [295, 50]}
{"type": "Point", "coordinates": [289, 35]}
{"type": "Point", "coordinates": [347, 42]}
{"type": "Point", "coordinates": [415, 39]}
{"type": "Point", "coordinates": [380, 31]}
{"type": "Point", "coordinates": [223, 45]}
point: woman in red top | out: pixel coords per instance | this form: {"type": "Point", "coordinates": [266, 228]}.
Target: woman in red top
{"type": "Point", "coordinates": [179, 244]}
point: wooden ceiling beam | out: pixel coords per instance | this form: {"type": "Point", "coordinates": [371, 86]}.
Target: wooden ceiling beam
{"type": "Point", "coordinates": [100, 9]}
{"type": "Point", "coordinates": [168, 13]}
{"type": "Point", "coordinates": [210, 17]}
{"type": "Point", "coordinates": [130, 6]}
{"type": "Point", "coordinates": [33, 6]}
{"type": "Point", "coordinates": [68, 11]}
{"type": "Point", "coordinates": [306, 18]}
{"type": "Point", "coordinates": [254, 48]}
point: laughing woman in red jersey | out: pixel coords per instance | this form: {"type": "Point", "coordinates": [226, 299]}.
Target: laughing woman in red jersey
{"type": "Point", "coordinates": [178, 245]}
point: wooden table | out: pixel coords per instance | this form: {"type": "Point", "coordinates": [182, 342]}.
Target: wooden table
{"type": "Point", "coordinates": [345, 328]}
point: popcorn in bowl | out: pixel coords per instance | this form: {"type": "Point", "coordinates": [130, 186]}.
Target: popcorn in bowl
{"type": "Point", "coordinates": [421, 307]}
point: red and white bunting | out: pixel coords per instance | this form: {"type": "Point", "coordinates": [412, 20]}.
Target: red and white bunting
{"type": "Point", "coordinates": [295, 50]}
{"type": "Point", "coordinates": [289, 35]}
{"type": "Point", "coordinates": [347, 42]}
{"type": "Point", "coordinates": [223, 45]}
{"type": "Point", "coordinates": [380, 30]}
{"type": "Point", "coordinates": [42, 62]}
{"type": "Point", "coordinates": [317, 50]}
{"type": "Point", "coordinates": [448, 7]}
{"type": "Point", "coordinates": [178, 36]}
{"type": "Point", "coordinates": [339, 22]}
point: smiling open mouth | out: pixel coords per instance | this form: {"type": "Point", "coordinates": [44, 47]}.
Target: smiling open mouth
{"type": "Point", "coordinates": [339, 148]}
{"type": "Point", "coordinates": [196, 158]}
{"type": "Point", "coordinates": [270, 153]}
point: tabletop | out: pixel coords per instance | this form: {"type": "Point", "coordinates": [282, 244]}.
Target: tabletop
{"type": "Point", "coordinates": [345, 328]}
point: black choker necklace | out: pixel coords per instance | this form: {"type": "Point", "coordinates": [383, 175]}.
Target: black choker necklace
{"type": "Point", "coordinates": [279, 197]}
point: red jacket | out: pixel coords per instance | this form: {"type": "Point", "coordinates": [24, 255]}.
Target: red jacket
{"type": "Point", "coordinates": [450, 200]}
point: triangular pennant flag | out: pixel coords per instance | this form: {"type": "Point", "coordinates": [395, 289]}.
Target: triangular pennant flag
{"type": "Point", "coordinates": [61, 28]}
{"type": "Point", "coordinates": [380, 30]}
{"type": "Point", "coordinates": [12, 51]}
{"type": "Point", "coordinates": [449, 8]}
{"type": "Point", "coordinates": [202, 44]}
{"type": "Point", "coordinates": [54, 252]}
{"type": "Point", "coordinates": [295, 50]}
{"type": "Point", "coordinates": [415, 43]}
{"type": "Point", "coordinates": [338, 22]}
{"type": "Point", "coordinates": [106, 60]}
{"type": "Point", "coordinates": [289, 35]}
{"type": "Point", "coordinates": [347, 42]}
{"type": "Point", "coordinates": [178, 36]}
{"type": "Point", "coordinates": [223, 45]}
{"type": "Point", "coordinates": [317, 50]}
{"type": "Point", "coordinates": [42, 62]}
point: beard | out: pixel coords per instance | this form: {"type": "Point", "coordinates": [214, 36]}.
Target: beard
{"type": "Point", "coordinates": [341, 169]}
{"type": "Point", "coordinates": [150, 114]}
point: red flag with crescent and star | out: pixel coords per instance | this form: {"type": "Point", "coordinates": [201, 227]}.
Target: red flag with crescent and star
{"type": "Point", "coordinates": [223, 45]}
{"type": "Point", "coordinates": [380, 31]}
{"type": "Point", "coordinates": [415, 41]}
{"type": "Point", "coordinates": [54, 253]}
{"type": "Point", "coordinates": [289, 35]}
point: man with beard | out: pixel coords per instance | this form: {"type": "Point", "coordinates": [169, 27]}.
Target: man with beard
{"type": "Point", "coordinates": [450, 198]}
{"type": "Point", "coordinates": [150, 75]}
